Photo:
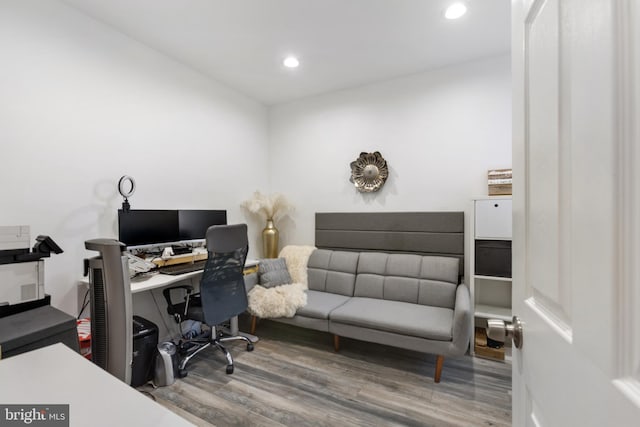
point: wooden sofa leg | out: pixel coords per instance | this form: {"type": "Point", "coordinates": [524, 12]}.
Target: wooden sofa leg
{"type": "Point", "coordinates": [336, 343]}
{"type": "Point", "coordinates": [439, 363]}
{"type": "Point", "coordinates": [254, 321]}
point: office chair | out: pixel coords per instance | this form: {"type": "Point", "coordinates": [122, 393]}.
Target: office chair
{"type": "Point", "coordinates": [222, 293]}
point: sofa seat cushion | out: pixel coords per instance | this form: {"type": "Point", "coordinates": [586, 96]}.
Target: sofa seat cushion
{"type": "Point", "coordinates": [434, 323]}
{"type": "Point", "coordinates": [320, 304]}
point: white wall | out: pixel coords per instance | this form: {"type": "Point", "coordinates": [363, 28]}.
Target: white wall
{"type": "Point", "coordinates": [439, 131]}
{"type": "Point", "coordinates": [82, 104]}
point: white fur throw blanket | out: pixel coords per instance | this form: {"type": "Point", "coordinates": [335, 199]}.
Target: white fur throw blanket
{"type": "Point", "coordinates": [284, 300]}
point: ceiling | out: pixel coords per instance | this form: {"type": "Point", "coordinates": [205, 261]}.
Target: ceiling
{"type": "Point", "coordinates": [340, 43]}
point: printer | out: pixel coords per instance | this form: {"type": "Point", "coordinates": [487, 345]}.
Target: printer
{"type": "Point", "coordinates": [22, 269]}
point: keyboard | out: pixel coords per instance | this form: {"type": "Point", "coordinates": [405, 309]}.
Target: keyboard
{"type": "Point", "coordinates": [175, 270]}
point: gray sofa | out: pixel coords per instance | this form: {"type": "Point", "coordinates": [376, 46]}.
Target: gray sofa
{"type": "Point", "coordinates": [401, 300]}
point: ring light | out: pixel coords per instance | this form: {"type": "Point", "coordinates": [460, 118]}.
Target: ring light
{"type": "Point", "coordinates": [122, 188]}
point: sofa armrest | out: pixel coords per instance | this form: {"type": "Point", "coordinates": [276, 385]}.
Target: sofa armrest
{"type": "Point", "coordinates": [462, 320]}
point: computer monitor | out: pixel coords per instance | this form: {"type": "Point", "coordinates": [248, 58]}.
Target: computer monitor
{"type": "Point", "coordinates": [148, 226]}
{"type": "Point", "coordinates": [193, 224]}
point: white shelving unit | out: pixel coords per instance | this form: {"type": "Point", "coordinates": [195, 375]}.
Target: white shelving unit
{"type": "Point", "coordinates": [490, 221]}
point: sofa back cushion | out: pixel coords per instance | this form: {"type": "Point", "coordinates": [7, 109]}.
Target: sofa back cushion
{"type": "Point", "coordinates": [426, 280]}
{"type": "Point", "coordinates": [332, 271]}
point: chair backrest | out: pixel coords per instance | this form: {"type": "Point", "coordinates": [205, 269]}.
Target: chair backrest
{"type": "Point", "coordinates": [222, 288]}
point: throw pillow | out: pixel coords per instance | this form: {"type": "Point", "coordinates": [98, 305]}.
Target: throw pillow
{"type": "Point", "coordinates": [273, 272]}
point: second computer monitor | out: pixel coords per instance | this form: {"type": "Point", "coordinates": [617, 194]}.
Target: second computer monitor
{"type": "Point", "coordinates": [193, 224]}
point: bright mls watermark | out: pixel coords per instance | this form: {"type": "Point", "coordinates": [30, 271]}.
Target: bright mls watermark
{"type": "Point", "coordinates": [34, 415]}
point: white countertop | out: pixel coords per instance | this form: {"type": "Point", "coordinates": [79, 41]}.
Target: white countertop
{"type": "Point", "coordinates": [58, 375]}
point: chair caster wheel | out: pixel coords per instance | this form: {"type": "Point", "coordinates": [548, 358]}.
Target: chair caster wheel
{"type": "Point", "coordinates": [229, 369]}
{"type": "Point", "coordinates": [250, 346]}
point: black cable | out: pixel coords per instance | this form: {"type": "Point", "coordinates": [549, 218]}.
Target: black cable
{"type": "Point", "coordinates": [85, 303]}
{"type": "Point", "coordinates": [162, 316]}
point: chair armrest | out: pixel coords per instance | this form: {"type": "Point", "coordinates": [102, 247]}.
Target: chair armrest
{"type": "Point", "coordinates": [462, 319]}
{"type": "Point", "coordinates": [167, 294]}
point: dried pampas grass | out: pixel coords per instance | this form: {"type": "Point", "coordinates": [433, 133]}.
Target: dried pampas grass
{"type": "Point", "coordinates": [272, 206]}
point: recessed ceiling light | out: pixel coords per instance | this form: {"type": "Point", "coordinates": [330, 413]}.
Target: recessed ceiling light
{"type": "Point", "coordinates": [455, 11]}
{"type": "Point", "coordinates": [291, 62]}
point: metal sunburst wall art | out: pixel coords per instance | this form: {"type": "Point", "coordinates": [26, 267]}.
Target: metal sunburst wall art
{"type": "Point", "coordinates": [369, 172]}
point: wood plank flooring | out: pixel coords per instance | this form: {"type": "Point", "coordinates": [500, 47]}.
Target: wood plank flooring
{"type": "Point", "coordinates": [294, 378]}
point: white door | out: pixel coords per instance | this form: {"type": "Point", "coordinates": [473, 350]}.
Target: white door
{"type": "Point", "coordinates": [576, 212]}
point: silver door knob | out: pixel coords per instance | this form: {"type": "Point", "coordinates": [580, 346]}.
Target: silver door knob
{"type": "Point", "coordinates": [498, 330]}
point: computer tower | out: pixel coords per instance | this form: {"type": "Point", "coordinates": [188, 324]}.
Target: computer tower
{"type": "Point", "coordinates": [111, 313]}
{"type": "Point", "coordinates": [145, 341]}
